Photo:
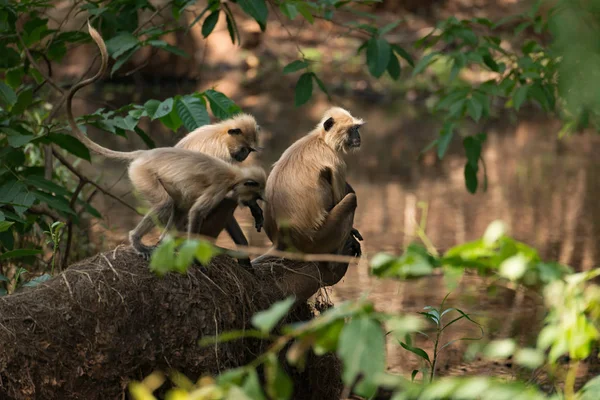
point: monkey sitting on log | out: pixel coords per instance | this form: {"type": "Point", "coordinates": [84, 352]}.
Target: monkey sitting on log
{"type": "Point", "coordinates": [307, 196]}
{"type": "Point", "coordinates": [175, 178]}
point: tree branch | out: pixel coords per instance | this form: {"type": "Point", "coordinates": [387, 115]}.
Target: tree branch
{"type": "Point", "coordinates": [80, 186]}
{"type": "Point", "coordinates": [71, 168]}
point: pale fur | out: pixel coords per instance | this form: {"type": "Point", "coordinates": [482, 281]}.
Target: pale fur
{"type": "Point", "coordinates": [215, 140]}
{"type": "Point", "coordinates": [297, 197]}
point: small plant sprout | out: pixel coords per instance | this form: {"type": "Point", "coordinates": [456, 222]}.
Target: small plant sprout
{"type": "Point", "coordinates": [54, 236]}
{"type": "Point", "coordinates": [436, 316]}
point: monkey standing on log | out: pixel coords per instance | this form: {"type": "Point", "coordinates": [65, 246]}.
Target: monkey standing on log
{"type": "Point", "coordinates": [307, 197]}
{"type": "Point", "coordinates": [231, 140]}
{"type": "Point", "coordinates": [175, 178]}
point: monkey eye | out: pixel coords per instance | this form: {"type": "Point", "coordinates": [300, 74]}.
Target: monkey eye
{"type": "Point", "coordinates": [251, 183]}
{"type": "Point", "coordinates": [251, 149]}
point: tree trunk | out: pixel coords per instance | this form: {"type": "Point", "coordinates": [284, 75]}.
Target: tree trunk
{"type": "Point", "coordinates": [108, 320]}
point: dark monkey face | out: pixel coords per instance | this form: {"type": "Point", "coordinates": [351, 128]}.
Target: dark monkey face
{"type": "Point", "coordinates": [353, 139]}
{"type": "Point", "coordinates": [239, 154]}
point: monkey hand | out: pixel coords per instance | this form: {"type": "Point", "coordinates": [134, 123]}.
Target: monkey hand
{"type": "Point", "coordinates": [257, 213]}
{"type": "Point", "coordinates": [353, 247]}
{"type": "Point", "coordinates": [356, 234]}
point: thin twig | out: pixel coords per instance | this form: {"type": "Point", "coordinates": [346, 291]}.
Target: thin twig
{"type": "Point", "coordinates": [71, 168]}
{"type": "Point", "coordinates": [158, 10]}
{"type": "Point", "coordinates": [36, 65]}
{"type": "Point", "coordinates": [80, 186]}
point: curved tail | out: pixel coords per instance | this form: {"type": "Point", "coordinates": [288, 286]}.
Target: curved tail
{"type": "Point", "coordinates": [95, 147]}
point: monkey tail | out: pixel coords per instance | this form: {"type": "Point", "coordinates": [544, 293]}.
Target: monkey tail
{"type": "Point", "coordinates": [95, 147]}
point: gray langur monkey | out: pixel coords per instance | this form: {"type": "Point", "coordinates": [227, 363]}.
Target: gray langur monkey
{"type": "Point", "coordinates": [307, 196]}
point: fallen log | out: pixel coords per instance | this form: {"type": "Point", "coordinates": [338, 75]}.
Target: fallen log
{"type": "Point", "coordinates": [108, 320]}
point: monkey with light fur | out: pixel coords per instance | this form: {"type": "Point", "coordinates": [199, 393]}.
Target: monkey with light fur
{"type": "Point", "coordinates": [174, 179]}
{"type": "Point", "coordinates": [308, 201]}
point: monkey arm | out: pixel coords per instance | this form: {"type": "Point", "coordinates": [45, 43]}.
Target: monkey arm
{"type": "Point", "coordinates": [235, 232]}
{"type": "Point", "coordinates": [200, 210]}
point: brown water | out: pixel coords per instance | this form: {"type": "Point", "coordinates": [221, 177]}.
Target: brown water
{"type": "Point", "coordinates": [543, 188]}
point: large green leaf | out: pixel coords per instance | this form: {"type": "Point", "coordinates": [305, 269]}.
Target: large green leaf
{"type": "Point", "coordinates": [57, 202]}
{"type": "Point", "coordinates": [7, 95]}
{"type": "Point", "coordinates": [393, 67]}
{"type": "Point", "coordinates": [209, 23]}
{"type": "Point", "coordinates": [221, 106]}
{"type": "Point", "coordinates": [121, 43]}
{"type": "Point", "coordinates": [362, 350]}
{"type": "Point", "coordinates": [5, 225]}
{"type": "Point", "coordinates": [266, 320]}
{"type": "Point", "coordinates": [378, 56]}
{"type": "Point", "coordinates": [71, 144]}
{"type": "Point", "coordinates": [161, 44]}
{"type": "Point", "coordinates": [257, 9]}
{"type": "Point", "coordinates": [304, 88]}
{"type": "Point", "coordinates": [164, 108]}
{"type": "Point", "coordinates": [294, 66]}
{"type": "Point", "coordinates": [192, 112]}
{"type": "Point", "coordinates": [19, 253]}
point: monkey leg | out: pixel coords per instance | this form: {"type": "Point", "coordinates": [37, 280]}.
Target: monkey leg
{"type": "Point", "coordinates": [160, 212]}
{"type": "Point", "coordinates": [237, 235]}
{"type": "Point", "coordinates": [327, 238]}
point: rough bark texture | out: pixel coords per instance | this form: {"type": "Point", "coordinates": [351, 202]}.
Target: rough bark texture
{"type": "Point", "coordinates": [108, 320]}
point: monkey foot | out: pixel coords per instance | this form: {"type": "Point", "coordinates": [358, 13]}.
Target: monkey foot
{"type": "Point", "coordinates": [355, 248]}
{"type": "Point", "coordinates": [145, 252]}
{"type": "Point", "coordinates": [354, 232]}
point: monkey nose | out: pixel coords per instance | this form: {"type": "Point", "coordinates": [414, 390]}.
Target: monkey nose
{"type": "Point", "coordinates": [355, 142]}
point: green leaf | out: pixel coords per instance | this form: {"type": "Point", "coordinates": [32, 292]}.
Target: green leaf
{"type": "Point", "coordinates": [192, 112]}
{"type": "Point", "coordinates": [171, 121]}
{"type": "Point", "coordinates": [257, 9]}
{"type": "Point", "coordinates": [252, 386]}
{"type": "Point", "coordinates": [19, 253]}
{"type": "Point", "coordinates": [520, 96]}
{"type": "Point", "coordinates": [162, 259]}
{"type": "Point", "coordinates": [144, 136]}
{"type": "Point", "coordinates": [71, 144]}
{"type": "Point", "coordinates": [57, 51]}
{"type": "Point", "coordinates": [474, 108]}
{"type": "Point", "coordinates": [294, 66]}
{"type": "Point", "coordinates": [163, 109]}
{"type": "Point", "coordinates": [389, 27]}
{"type": "Point", "coordinates": [199, 17]}
{"type": "Point", "coordinates": [10, 58]}
{"type": "Point", "coordinates": [37, 280]}
{"type": "Point", "coordinates": [150, 107]}
{"type": "Point", "coordinates": [424, 63]}
{"type": "Point", "coordinates": [120, 44]}
{"type": "Point", "coordinates": [221, 106]}
{"type": "Point", "coordinates": [416, 350]}
{"type": "Point", "coordinates": [15, 138]}
{"type": "Point", "coordinates": [39, 182]}
{"type": "Point", "coordinates": [279, 385]}
{"type": "Point", "coordinates": [304, 9]}
{"type": "Point", "coordinates": [289, 10]}
{"type": "Point", "coordinates": [378, 56]}
{"type": "Point", "coordinates": [167, 47]}
{"type": "Point", "coordinates": [205, 252]}
{"type": "Point", "coordinates": [56, 202]}
{"type": "Point", "coordinates": [320, 84]}
{"type": "Point", "coordinates": [209, 23]}
{"type": "Point", "coordinates": [123, 59]}
{"type": "Point", "coordinates": [445, 138]}
{"type": "Point", "coordinates": [7, 95]}
{"type": "Point", "coordinates": [404, 54]}
{"type": "Point", "coordinates": [362, 350]}
{"type": "Point", "coordinates": [232, 27]}
{"type": "Point", "coordinates": [304, 88]}
{"type": "Point", "coordinates": [470, 178]}
{"type": "Point", "coordinates": [266, 320]}
{"type": "Point", "coordinates": [5, 225]}
{"type": "Point", "coordinates": [185, 256]}
{"type": "Point", "coordinates": [23, 101]}
{"type": "Point", "coordinates": [393, 67]}
{"type": "Point", "coordinates": [473, 150]}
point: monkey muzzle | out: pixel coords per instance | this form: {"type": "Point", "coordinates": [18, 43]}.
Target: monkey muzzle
{"type": "Point", "coordinates": [353, 140]}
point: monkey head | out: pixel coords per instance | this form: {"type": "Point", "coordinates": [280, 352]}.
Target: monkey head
{"type": "Point", "coordinates": [340, 130]}
{"type": "Point", "coordinates": [241, 136]}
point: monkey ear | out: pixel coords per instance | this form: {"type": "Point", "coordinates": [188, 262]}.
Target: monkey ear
{"type": "Point", "coordinates": [328, 124]}
{"type": "Point", "coordinates": [251, 182]}
{"type": "Point", "coordinates": [235, 131]}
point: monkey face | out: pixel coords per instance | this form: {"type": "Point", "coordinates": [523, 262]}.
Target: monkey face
{"type": "Point", "coordinates": [341, 130]}
{"type": "Point", "coordinates": [242, 153]}
{"type": "Point", "coordinates": [242, 136]}
{"type": "Point", "coordinates": [353, 137]}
